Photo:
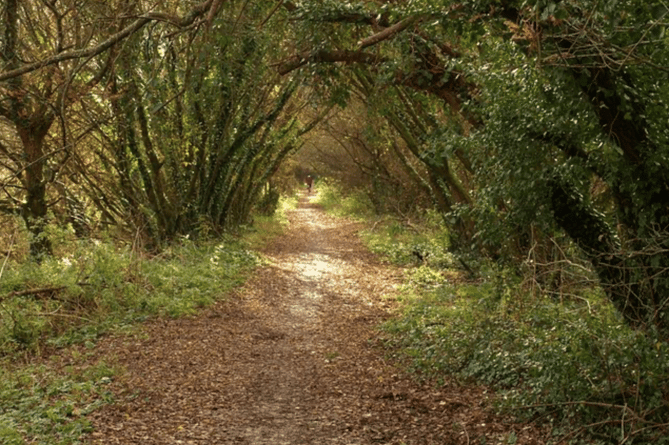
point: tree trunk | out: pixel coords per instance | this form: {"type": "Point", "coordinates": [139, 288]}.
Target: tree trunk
{"type": "Point", "coordinates": [34, 211]}
{"type": "Point", "coordinates": [617, 270]}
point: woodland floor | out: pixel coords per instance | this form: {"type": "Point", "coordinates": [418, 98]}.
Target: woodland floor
{"type": "Point", "coordinates": [290, 358]}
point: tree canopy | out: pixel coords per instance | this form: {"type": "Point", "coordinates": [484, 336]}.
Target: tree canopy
{"type": "Point", "coordinates": [521, 122]}
{"type": "Point", "coordinates": [525, 142]}
{"type": "Point", "coordinates": [530, 118]}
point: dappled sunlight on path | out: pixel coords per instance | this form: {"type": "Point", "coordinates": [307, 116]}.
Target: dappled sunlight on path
{"type": "Point", "coordinates": [291, 358]}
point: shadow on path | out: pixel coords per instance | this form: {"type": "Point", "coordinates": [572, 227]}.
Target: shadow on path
{"type": "Point", "coordinates": [289, 359]}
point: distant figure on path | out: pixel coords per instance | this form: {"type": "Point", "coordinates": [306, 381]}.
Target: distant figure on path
{"type": "Point", "coordinates": [310, 182]}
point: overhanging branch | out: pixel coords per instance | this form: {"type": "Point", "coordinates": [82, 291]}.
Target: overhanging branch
{"type": "Point", "coordinates": [390, 31]}
{"type": "Point", "coordinates": [323, 56]}
{"type": "Point", "coordinates": [111, 41]}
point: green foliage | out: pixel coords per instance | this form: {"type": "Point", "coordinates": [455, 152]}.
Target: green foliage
{"type": "Point", "coordinates": [190, 276]}
{"type": "Point", "coordinates": [100, 286]}
{"type": "Point", "coordinates": [400, 242]}
{"type": "Point", "coordinates": [201, 131]}
{"type": "Point", "coordinates": [573, 363]}
{"type": "Point", "coordinates": [72, 300]}
{"type": "Point", "coordinates": [525, 110]}
{"type": "Point", "coordinates": [48, 407]}
{"type": "Point", "coordinates": [403, 246]}
{"type": "Point", "coordinates": [423, 243]}
{"type": "Point", "coordinates": [265, 228]}
{"type": "Point", "coordinates": [353, 204]}
{"type": "Point", "coordinates": [268, 202]}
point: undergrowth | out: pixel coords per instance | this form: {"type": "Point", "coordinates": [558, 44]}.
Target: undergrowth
{"type": "Point", "coordinates": [101, 286]}
{"type": "Point", "coordinates": [405, 243]}
{"type": "Point", "coordinates": [564, 359]}
{"type": "Point", "coordinates": [266, 227]}
{"type": "Point", "coordinates": [571, 362]}
{"type": "Point", "coordinates": [353, 204]}
{"type": "Point", "coordinates": [44, 406]}
{"type": "Point", "coordinates": [96, 288]}
{"type": "Point", "coordinates": [398, 240]}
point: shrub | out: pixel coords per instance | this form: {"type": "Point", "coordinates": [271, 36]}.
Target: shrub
{"type": "Point", "coordinates": [419, 244]}
{"type": "Point", "coordinates": [44, 406]}
{"type": "Point", "coordinates": [97, 288]}
{"type": "Point", "coordinates": [574, 362]}
{"type": "Point", "coordinates": [353, 204]}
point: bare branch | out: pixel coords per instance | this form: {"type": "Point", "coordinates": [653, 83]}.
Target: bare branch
{"type": "Point", "coordinates": [7, 208]}
{"type": "Point", "coordinates": [321, 56]}
{"type": "Point", "coordinates": [390, 31]}
{"type": "Point", "coordinates": [77, 54]}
{"type": "Point", "coordinates": [41, 290]}
{"type": "Point", "coordinates": [111, 41]}
{"type": "Point", "coordinates": [212, 12]}
{"type": "Point", "coordinates": [271, 13]}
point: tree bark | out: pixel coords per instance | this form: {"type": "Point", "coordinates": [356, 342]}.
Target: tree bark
{"type": "Point", "coordinates": [616, 271]}
{"type": "Point", "coordinates": [35, 208]}
{"type": "Point", "coordinates": [112, 40]}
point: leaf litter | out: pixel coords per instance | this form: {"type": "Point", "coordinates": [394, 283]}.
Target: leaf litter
{"type": "Point", "coordinates": [292, 357]}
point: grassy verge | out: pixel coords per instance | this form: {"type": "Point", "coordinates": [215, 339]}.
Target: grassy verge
{"type": "Point", "coordinates": [98, 288]}
{"type": "Point", "coordinates": [572, 363]}
{"type": "Point", "coordinates": [101, 287]}
{"type": "Point", "coordinates": [567, 360]}
{"type": "Point", "coordinates": [265, 228]}
{"type": "Point", "coordinates": [354, 204]}
{"type": "Point", "coordinates": [47, 406]}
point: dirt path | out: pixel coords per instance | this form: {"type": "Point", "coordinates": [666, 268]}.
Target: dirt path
{"type": "Point", "coordinates": [289, 360]}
